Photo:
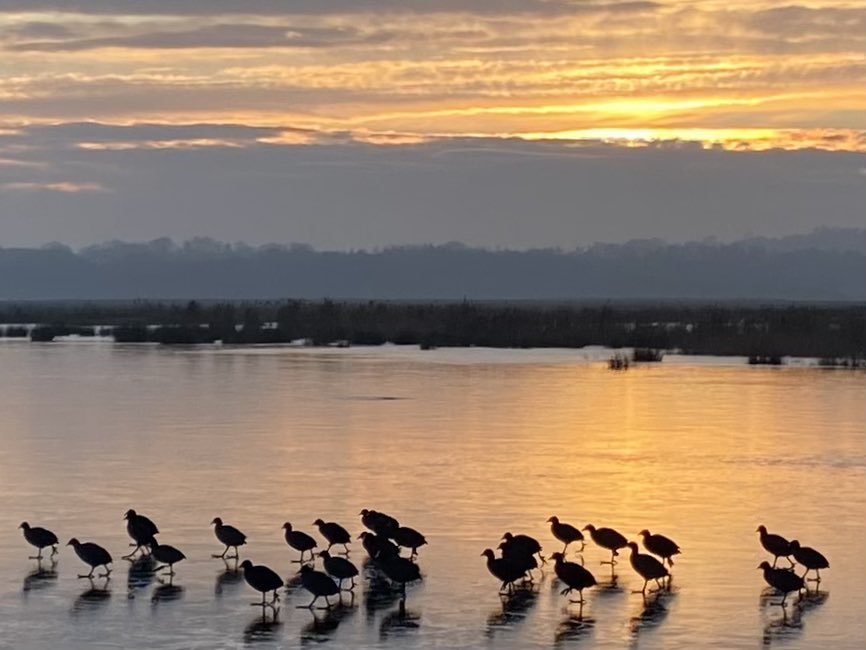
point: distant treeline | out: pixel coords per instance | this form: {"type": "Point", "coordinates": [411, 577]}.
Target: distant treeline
{"type": "Point", "coordinates": [762, 332]}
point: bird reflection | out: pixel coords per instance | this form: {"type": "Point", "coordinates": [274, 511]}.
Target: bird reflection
{"type": "Point", "coordinates": [324, 624]}
{"type": "Point", "coordinates": [166, 593]}
{"type": "Point", "coordinates": [398, 621]}
{"type": "Point", "coordinates": [94, 597]}
{"type": "Point", "coordinates": [786, 623]}
{"type": "Point", "coordinates": [229, 577]}
{"type": "Point", "coordinates": [574, 628]}
{"type": "Point", "coordinates": [379, 595]}
{"type": "Point", "coordinates": [514, 609]}
{"type": "Point", "coordinates": [652, 613]}
{"type": "Point", "coordinates": [44, 575]}
{"type": "Point", "coordinates": [141, 572]}
{"type": "Point", "coordinates": [261, 628]}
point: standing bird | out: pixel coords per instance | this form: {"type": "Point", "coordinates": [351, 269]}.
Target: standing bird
{"type": "Point", "coordinates": [339, 568]}
{"type": "Point", "coordinates": [776, 545]}
{"type": "Point", "coordinates": [93, 555]}
{"type": "Point", "coordinates": [299, 541]}
{"type": "Point", "coordinates": [573, 575]}
{"type": "Point", "coordinates": [377, 546]}
{"type": "Point", "coordinates": [565, 533]}
{"type": "Point", "coordinates": [168, 555]}
{"type": "Point", "coordinates": [647, 567]}
{"type": "Point", "coordinates": [607, 538]}
{"type": "Point", "coordinates": [379, 522]}
{"type": "Point", "coordinates": [781, 580]}
{"type": "Point", "coordinates": [263, 579]}
{"type": "Point", "coordinates": [503, 569]}
{"type": "Point", "coordinates": [140, 529]}
{"type": "Point", "coordinates": [522, 545]}
{"type": "Point", "coordinates": [400, 570]}
{"type": "Point", "coordinates": [334, 533]}
{"type": "Point", "coordinates": [408, 538]}
{"type": "Point", "coordinates": [318, 584]}
{"type": "Point", "coordinates": [40, 538]}
{"type": "Point", "coordinates": [519, 555]}
{"type": "Point", "coordinates": [660, 545]}
{"type": "Point", "coordinates": [809, 558]}
{"type": "Point", "coordinates": [228, 535]}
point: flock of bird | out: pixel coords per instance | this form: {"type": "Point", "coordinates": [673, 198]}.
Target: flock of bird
{"type": "Point", "coordinates": [384, 538]}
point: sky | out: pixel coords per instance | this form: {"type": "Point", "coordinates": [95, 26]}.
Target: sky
{"type": "Point", "coordinates": [364, 123]}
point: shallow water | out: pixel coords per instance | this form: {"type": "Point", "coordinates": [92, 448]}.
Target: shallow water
{"type": "Point", "coordinates": [461, 444]}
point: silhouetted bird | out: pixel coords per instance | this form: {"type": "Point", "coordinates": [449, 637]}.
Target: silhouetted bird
{"type": "Point", "coordinates": [408, 538]}
{"type": "Point", "coordinates": [573, 575]}
{"type": "Point", "coordinates": [607, 538]}
{"type": "Point", "coordinates": [140, 529]}
{"type": "Point", "coordinates": [339, 568]}
{"type": "Point", "coordinates": [377, 546]}
{"type": "Point", "coordinates": [318, 584]}
{"type": "Point", "coordinates": [520, 556]}
{"type": "Point", "coordinates": [647, 567]}
{"type": "Point", "coordinates": [334, 533]}
{"type": "Point", "coordinates": [521, 545]}
{"type": "Point", "coordinates": [40, 538]}
{"type": "Point", "coordinates": [228, 535]}
{"type": "Point", "coordinates": [92, 555]}
{"type": "Point", "coordinates": [776, 545]}
{"type": "Point", "coordinates": [263, 579]}
{"type": "Point", "coordinates": [379, 522]}
{"type": "Point", "coordinates": [781, 580]}
{"type": "Point", "coordinates": [565, 533]}
{"type": "Point", "coordinates": [660, 545]}
{"type": "Point", "coordinates": [809, 558]}
{"type": "Point", "coordinates": [399, 569]}
{"type": "Point", "coordinates": [168, 555]}
{"type": "Point", "coordinates": [508, 572]}
{"type": "Point", "coordinates": [299, 541]}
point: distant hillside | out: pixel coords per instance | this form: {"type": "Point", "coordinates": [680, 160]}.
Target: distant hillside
{"type": "Point", "coordinates": [827, 264]}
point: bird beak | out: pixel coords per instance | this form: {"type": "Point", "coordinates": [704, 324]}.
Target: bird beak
{"type": "Point", "coordinates": [757, 530]}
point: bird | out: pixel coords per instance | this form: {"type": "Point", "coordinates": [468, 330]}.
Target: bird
{"type": "Point", "coordinates": [40, 538]}
{"type": "Point", "coordinates": [263, 579]}
{"type": "Point", "coordinates": [647, 567]}
{"type": "Point", "coordinates": [93, 555]}
{"type": "Point", "coordinates": [660, 545]}
{"type": "Point", "coordinates": [399, 569]}
{"type": "Point", "coordinates": [140, 529]}
{"type": "Point", "coordinates": [573, 575]}
{"type": "Point", "coordinates": [809, 558]}
{"type": "Point", "coordinates": [781, 580]}
{"type": "Point", "coordinates": [776, 545]}
{"type": "Point", "coordinates": [565, 533]}
{"type": "Point", "coordinates": [228, 535]}
{"type": "Point", "coordinates": [607, 538]}
{"type": "Point", "coordinates": [508, 572]}
{"type": "Point", "coordinates": [408, 538]}
{"type": "Point", "coordinates": [521, 544]}
{"type": "Point", "coordinates": [168, 555]}
{"type": "Point", "coordinates": [377, 546]}
{"type": "Point", "coordinates": [299, 541]}
{"type": "Point", "coordinates": [379, 522]}
{"type": "Point", "coordinates": [334, 533]}
{"type": "Point", "coordinates": [520, 555]}
{"type": "Point", "coordinates": [339, 568]}
{"type": "Point", "coordinates": [318, 584]}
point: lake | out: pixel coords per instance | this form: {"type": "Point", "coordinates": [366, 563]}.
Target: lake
{"type": "Point", "coordinates": [462, 444]}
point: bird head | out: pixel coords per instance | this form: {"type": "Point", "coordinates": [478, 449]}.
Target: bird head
{"type": "Point", "coordinates": [488, 553]}
{"type": "Point", "coordinates": [644, 533]}
{"type": "Point", "coordinates": [287, 526]}
{"type": "Point", "coordinates": [764, 565]}
{"type": "Point", "coordinates": [324, 554]}
{"type": "Point", "coordinates": [73, 542]}
{"type": "Point", "coordinates": [632, 546]}
{"type": "Point", "coordinates": [761, 529]}
{"type": "Point", "coordinates": [246, 564]}
{"type": "Point", "coordinates": [557, 557]}
{"type": "Point", "coordinates": [590, 528]}
{"type": "Point", "coordinates": [24, 525]}
{"type": "Point", "coordinates": [305, 568]}
{"type": "Point", "coordinates": [216, 521]}
{"type": "Point", "coordinates": [364, 535]}
{"type": "Point", "coordinates": [129, 514]}
{"type": "Point", "coordinates": [553, 520]}
{"type": "Point", "coordinates": [794, 544]}
{"type": "Point", "coordinates": [318, 522]}
{"type": "Point", "coordinates": [364, 512]}
{"type": "Point", "coordinates": [508, 537]}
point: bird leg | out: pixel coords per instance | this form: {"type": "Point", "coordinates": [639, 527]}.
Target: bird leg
{"type": "Point", "coordinates": [134, 551]}
{"type": "Point", "coordinates": [775, 559]}
{"type": "Point", "coordinates": [346, 549]}
{"type": "Point", "coordinates": [107, 572]}
{"type": "Point", "coordinates": [89, 576]}
{"type": "Point", "coordinates": [223, 555]}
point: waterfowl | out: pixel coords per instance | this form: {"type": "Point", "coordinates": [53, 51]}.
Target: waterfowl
{"type": "Point", "coordinates": [504, 570]}
{"type": "Point", "coordinates": [809, 558]}
{"type": "Point", "coordinates": [334, 533]}
{"type": "Point", "coordinates": [781, 580]}
{"type": "Point", "coordinates": [318, 584]}
{"type": "Point", "coordinates": [168, 555]}
{"type": "Point", "coordinates": [607, 538]}
{"type": "Point", "coordinates": [660, 545]}
{"type": "Point", "coordinates": [40, 538]}
{"type": "Point", "coordinates": [565, 533]}
{"type": "Point", "coordinates": [93, 555]}
{"type": "Point", "coordinates": [140, 529]}
{"type": "Point", "coordinates": [776, 545]}
{"type": "Point", "coordinates": [647, 567]}
{"type": "Point", "coordinates": [573, 575]}
{"type": "Point", "coordinates": [377, 546]}
{"type": "Point", "coordinates": [379, 522]}
{"type": "Point", "coordinates": [520, 556]}
{"type": "Point", "coordinates": [408, 538]}
{"type": "Point", "coordinates": [299, 541]}
{"type": "Point", "coordinates": [263, 579]}
{"type": "Point", "coordinates": [228, 535]}
{"type": "Point", "coordinates": [339, 568]}
{"type": "Point", "coordinates": [522, 545]}
{"type": "Point", "coordinates": [399, 569]}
